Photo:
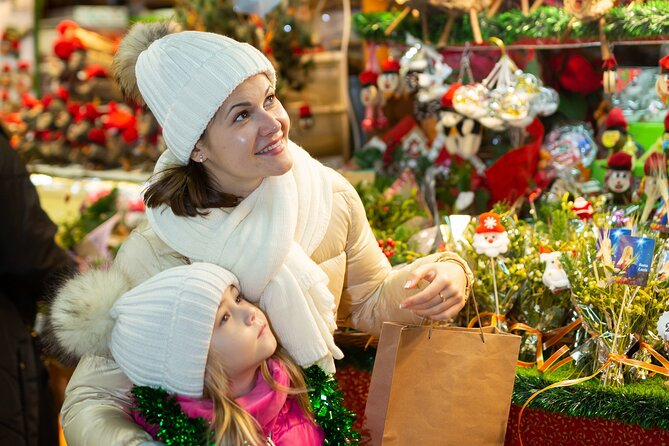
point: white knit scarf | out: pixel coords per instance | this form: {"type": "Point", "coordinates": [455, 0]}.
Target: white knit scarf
{"type": "Point", "coordinates": [266, 242]}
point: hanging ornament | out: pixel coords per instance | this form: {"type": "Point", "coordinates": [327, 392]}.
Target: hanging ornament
{"type": "Point", "coordinates": [389, 79]}
{"type": "Point", "coordinates": [609, 68]}
{"type": "Point", "coordinates": [507, 96]}
{"type": "Point", "coordinates": [662, 83]}
{"type": "Point", "coordinates": [306, 117]}
{"type": "Point", "coordinates": [369, 97]}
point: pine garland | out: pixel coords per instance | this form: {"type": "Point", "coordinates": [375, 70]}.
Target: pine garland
{"type": "Point", "coordinates": [548, 24]}
{"type": "Point", "coordinates": [644, 403]}
{"type": "Point", "coordinates": [329, 411]}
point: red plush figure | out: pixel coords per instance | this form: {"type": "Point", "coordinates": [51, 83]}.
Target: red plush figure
{"type": "Point", "coordinates": [306, 117]}
{"type": "Point", "coordinates": [583, 209]}
{"type": "Point", "coordinates": [389, 80]}
{"type": "Point", "coordinates": [369, 95]}
{"type": "Point", "coordinates": [618, 178]}
{"type": "Point", "coordinates": [662, 83]}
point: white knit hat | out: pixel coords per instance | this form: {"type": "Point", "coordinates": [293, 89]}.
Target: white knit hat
{"type": "Point", "coordinates": [163, 327]}
{"type": "Point", "coordinates": [184, 78]}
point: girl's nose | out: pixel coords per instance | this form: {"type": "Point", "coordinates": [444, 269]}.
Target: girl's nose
{"type": "Point", "coordinates": [251, 316]}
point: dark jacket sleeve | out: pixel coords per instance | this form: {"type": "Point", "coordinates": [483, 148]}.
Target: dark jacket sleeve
{"type": "Point", "coordinates": [30, 261]}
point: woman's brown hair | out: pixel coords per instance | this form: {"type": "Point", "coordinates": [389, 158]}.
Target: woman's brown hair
{"type": "Point", "coordinates": [232, 425]}
{"type": "Point", "coordinates": [188, 190]}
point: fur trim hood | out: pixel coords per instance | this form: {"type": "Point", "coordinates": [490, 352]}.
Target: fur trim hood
{"type": "Point", "coordinates": [80, 319]}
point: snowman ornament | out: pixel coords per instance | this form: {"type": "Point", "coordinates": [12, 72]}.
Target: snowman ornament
{"type": "Point", "coordinates": [554, 277]}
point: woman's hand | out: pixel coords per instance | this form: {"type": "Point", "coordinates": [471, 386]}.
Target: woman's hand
{"type": "Point", "coordinates": [443, 297]}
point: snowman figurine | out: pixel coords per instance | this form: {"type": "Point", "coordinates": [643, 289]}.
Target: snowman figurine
{"type": "Point", "coordinates": [555, 277]}
{"type": "Point", "coordinates": [491, 237]}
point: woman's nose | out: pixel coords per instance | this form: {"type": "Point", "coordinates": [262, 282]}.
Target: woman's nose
{"type": "Point", "coordinates": [271, 125]}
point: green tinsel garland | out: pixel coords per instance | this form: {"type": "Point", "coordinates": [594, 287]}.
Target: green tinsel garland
{"type": "Point", "coordinates": [639, 21]}
{"type": "Point", "coordinates": [329, 411]}
{"type": "Point", "coordinates": [645, 403]}
{"type": "Point", "coordinates": [160, 409]}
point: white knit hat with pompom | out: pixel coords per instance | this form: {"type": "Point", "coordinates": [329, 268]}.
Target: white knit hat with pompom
{"type": "Point", "coordinates": [158, 332]}
{"type": "Point", "coordinates": [184, 77]}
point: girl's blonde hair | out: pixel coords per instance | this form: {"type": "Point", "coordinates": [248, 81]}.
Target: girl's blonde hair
{"type": "Point", "coordinates": [233, 426]}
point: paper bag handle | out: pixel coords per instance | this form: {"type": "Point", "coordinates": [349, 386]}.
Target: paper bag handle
{"type": "Point", "coordinates": [476, 309]}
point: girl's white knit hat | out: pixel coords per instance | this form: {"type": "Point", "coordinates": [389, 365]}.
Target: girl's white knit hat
{"type": "Point", "coordinates": [185, 77]}
{"type": "Point", "coordinates": [162, 328]}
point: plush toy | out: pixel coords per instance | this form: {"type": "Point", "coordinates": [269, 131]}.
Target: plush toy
{"type": "Point", "coordinates": [615, 137]}
{"type": "Point", "coordinates": [554, 277]}
{"type": "Point", "coordinates": [490, 237]}
{"type": "Point", "coordinates": [389, 79]}
{"type": "Point", "coordinates": [369, 96]}
{"type": "Point", "coordinates": [306, 117]}
{"type": "Point", "coordinates": [583, 209]}
{"type": "Point", "coordinates": [662, 83]}
{"type": "Point", "coordinates": [618, 177]}
{"type": "Point", "coordinates": [460, 135]}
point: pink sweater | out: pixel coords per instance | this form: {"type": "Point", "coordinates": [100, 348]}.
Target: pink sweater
{"type": "Point", "coordinates": [280, 417]}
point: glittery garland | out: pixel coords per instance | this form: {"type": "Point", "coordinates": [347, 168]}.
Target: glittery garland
{"type": "Point", "coordinates": [329, 411]}
{"type": "Point", "coordinates": [160, 409]}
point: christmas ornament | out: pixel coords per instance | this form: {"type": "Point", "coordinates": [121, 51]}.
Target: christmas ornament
{"type": "Point", "coordinates": [583, 209]}
{"type": "Point", "coordinates": [306, 117]}
{"type": "Point", "coordinates": [460, 135]}
{"type": "Point", "coordinates": [554, 277]}
{"type": "Point", "coordinates": [507, 96]}
{"type": "Point", "coordinates": [618, 177]}
{"type": "Point", "coordinates": [609, 72]}
{"type": "Point", "coordinates": [490, 238]}
{"type": "Point", "coordinates": [662, 83]}
{"type": "Point", "coordinates": [654, 184]}
{"type": "Point", "coordinates": [389, 80]}
{"type": "Point", "coordinates": [369, 96]}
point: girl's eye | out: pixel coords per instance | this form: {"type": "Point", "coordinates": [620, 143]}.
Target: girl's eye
{"type": "Point", "coordinates": [240, 116]}
{"type": "Point", "coordinates": [239, 299]}
{"type": "Point", "coordinates": [270, 99]}
{"type": "Point", "coordinates": [225, 318]}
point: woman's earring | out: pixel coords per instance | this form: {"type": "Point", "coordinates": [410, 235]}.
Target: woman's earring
{"type": "Point", "coordinates": [201, 158]}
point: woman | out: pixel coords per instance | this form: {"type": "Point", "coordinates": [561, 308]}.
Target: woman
{"type": "Point", "coordinates": [233, 190]}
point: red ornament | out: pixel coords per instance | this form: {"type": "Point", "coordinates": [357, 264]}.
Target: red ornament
{"type": "Point", "coordinates": [390, 66]}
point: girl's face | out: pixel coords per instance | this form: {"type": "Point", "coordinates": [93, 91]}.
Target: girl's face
{"type": "Point", "coordinates": [247, 139]}
{"type": "Point", "coordinates": [242, 338]}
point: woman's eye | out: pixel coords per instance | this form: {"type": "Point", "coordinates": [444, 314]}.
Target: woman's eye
{"type": "Point", "coordinates": [270, 99]}
{"type": "Point", "coordinates": [240, 116]}
{"type": "Point", "coordinates": [225, 317]}
{"type": "Point", "coordinates": [239, 299]}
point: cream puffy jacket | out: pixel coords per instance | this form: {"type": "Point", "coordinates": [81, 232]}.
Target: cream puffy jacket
{"type": "Point", "coordinates": [367, 290]}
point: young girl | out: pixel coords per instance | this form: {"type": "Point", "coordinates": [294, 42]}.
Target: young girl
{"type": "Point", "coordinates": [190, 332]}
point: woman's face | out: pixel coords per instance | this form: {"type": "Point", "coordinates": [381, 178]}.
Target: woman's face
{"type": "Point", "coordinates": [247, 139]}
{"type": "Point", "coordinates": [242, 338]}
